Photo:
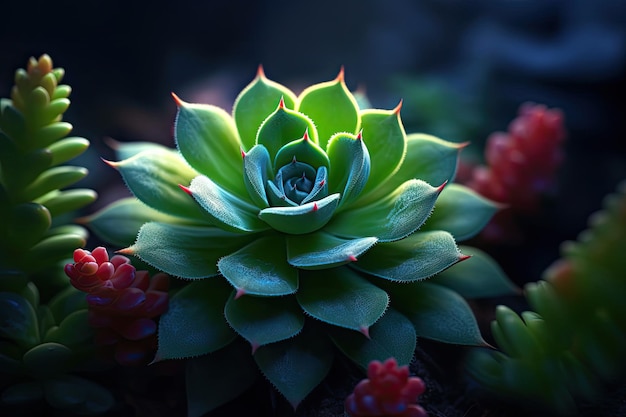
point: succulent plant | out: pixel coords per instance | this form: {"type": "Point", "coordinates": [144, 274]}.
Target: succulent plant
{"type": "Point", "coordinates": [123, 302]}
{"type": "Point", "coordinates": [388, 390]}
{"type": "Point", "coordinates": [300, 222]}
{"type": "Point", "coordinates": [568, 350]}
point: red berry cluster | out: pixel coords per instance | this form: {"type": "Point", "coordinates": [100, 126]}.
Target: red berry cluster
{"type": "Point", "coordinates": [521, 163]}
{"type": "Point", "coordinates": [387, 391]}
{"type": "Point", "coordinates": [123, 302]}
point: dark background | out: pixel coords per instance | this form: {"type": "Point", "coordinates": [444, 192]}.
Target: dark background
{"type": "Point", "coordinates": [462, 67]}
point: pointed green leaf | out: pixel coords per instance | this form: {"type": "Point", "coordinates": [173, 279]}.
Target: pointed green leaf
{"type": "Point", "coordinates": [391, 336]}
{"type": "Point", "coordinates": [208, 140]}
{"type": "Point", "coordinates": [349, 166]}
{"type": "Point", "coordinates": [385, 139]}
{"type": "Point", "coordinates": [302, 150]}
{"type": "Point", "coordinates": [227, 210]}
{"type": "Point", "coordinates": [125, 150]}
{"type": "Point", "coordinates": [296, 366]}
{"type": "Point", "coordinates": [213, 380]}
{"type": "Point", "coordinates": [427, 158]}
{"type": "Point", "coordinates": [321, 250]}
{"type": "Point", "coordinates": [302, 219]}
{"type": "Point", "coordinates": [119, 222]}
{"type": "Point", "coordinates": [460, 211]}
{"type": "Point", "coordinates": [257, 101]}
{"type": "Point", "coordinates": [26, 225]}
{"type": "Point", "coordinates": [393, 217]}
{"type": "Point", "coordinates": [73, 331]}
{"type": "Point", "coordinates": [185, 251]}
{"type": "Point", "coordinates": [417, 257]}
{"type": "Point", "coordinates": [261, 268]}
{"type": "Point", "coordinates": [154, 176]}
{"type": "Point", "coordinates": [18, 320]}
{"type": "Point", "coordinates": [332, 108]}
{"type": "Point", "coordinates": [478, 276]}
{"type": "Point", "coordinates": [263, 320]}
{"type": "Point", "coordinates": [341, 297]}
{"type": "Point", "coordinates": [194, 323]}
{"type": "Point", "coordinates": [284, 126]}
{"type": "Point", "coordinates": [257, 168]}
{"type": "Point", "coordinates": [437, 313]}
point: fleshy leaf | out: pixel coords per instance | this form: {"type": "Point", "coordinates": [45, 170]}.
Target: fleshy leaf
{"type": "Point", "coordinates": [417, 257]}
{"type": "Point", "coordinates": [296, 366]}
{"type": "Point", "coordinates": [460, 211]}
{"type": "Point", "coordinates": [302, 219]}
{"type": "Point", "coordinates": [212, 380]}
{"type": "Point", "coordinates": [257, 101]}
{"type": "Point", "coordinates": [427, 158]}
{"type": "Point", "coordinates": [18, 321]}
{"type": "Point", "coordinates": [208, 140]}
{"type": "Point", "coordinates": [119, 222]}
{"type": "Point", "coordinates": [391, 336]}
{"type": "Point", "coordinates": [263, 320]}
{"type": "Point", "coordinates": [342, 298]}
{"type": "Point", "coordinates": [331, 106]}
{"type": "Point", "coordinates": [321, 250]}
{"type": "Point", "coordinates": [153, 177]}
{"type": "Point", "coordinates": [284, 126]}
{"type": "Point", "coordinates": [226, 209]}
{"type": "Point", "coordinates": [261, 268]}
{"type": "Point", "coordinates": [184, 251]}
{"type": "Point", "coordinates": [81, 395]}
{"type": "Point", "coordinates": [350, 166]}
{"type": "Point", "coordinates": [393, 217]}
{"type": "Point", "coordinates": [194, 323]}
{"type": "Point", "coordinates": [302, 150]}
{"type": "Point", "coordinates": [257, 168]}
{"type": "Point", "coordinates": [437, 313]}
{"type": "Point", "coordinates": [125, 150]}
{"type": "Point", "coordinates": [385, 139]}
{"type": "Point", "coordinates": [478, 276]}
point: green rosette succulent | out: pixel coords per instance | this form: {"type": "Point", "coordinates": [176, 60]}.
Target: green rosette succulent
{"type": "Point", "coordinates": [301, 222]}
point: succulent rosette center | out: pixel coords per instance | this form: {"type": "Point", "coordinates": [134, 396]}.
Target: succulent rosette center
{"type": "Point", "coordinates": [312, 210]}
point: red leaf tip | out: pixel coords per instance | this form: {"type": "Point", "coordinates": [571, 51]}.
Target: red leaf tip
{"type": "Point", "coordinates": [315, 208]}
{"type": "Point", "coordinates": [126, 251]}
{"type": "Point", "coordinates": [397, 108]}
{"type": "Point", "coordinates": [442, 186]}
{"type": "Point", "coordinates": [260, 73]}
{"type": "Point", "coordinates": [352, 258]}
{"type": "Point", "coordinates": [186, 189]}
{"type": "Point", "coordinates": [365, 330]}
{"type": "Point", "coordinates": [281, 103]}
{"type": "Point", "coordinates": [463, 257]}
{"type": "Point", "coordinates": [110, 163]}
{"type": "Point", "coordinates": [305, 137]}
{"type": "Point", "coordinates": [240, 292]}
{"type": "Point", "coordinates": [177, 100]}
{"type": "Point", "coordinates": [341, 76]}
{"type": "Point", "coordinates": [359, 135]}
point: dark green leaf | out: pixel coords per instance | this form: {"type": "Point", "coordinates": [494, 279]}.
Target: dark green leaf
{"type": "Point", "coordinates": [18, 320]}
{"type": "Point", "coordinates": [321, 250]}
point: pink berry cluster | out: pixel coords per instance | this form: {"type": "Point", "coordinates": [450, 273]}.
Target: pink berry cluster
{"type": "Point", "coordinates": [521, 164]}
{"type": "Point", "coordinates": [387, 391]}
{"type": "Point", "coordinates": [123, 302]}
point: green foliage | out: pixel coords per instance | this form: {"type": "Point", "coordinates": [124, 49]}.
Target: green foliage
{"type": "Point", "coordinates": [567, 351]}
{"type": "Point", "coordinates": [302, 221]}
{"type": "Point", "coordinates": [44, 333]}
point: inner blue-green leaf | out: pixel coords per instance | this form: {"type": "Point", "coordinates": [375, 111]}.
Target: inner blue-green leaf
{"type": "Point", "coordinates": [321, 250]}
{"type": "Point", "coordinates": [302, 219]}
{"type": "Point", "coordinates": [350, 166]}
{"type": "Point", "coordinates": [257, 168]}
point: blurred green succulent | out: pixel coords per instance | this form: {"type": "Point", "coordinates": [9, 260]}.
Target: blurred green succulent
{"type": "Point", "coordinates": [303, 222]}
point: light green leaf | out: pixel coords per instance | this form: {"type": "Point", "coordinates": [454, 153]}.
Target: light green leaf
{"type": "Point", "coordinates": [349, 166]}
{"type": "Point", "coordinates": [185, 251]}
{"type": "Point", "coordinates": [257, 168]}
{"type": "Point", "coordinates": [261, 268]}
{"type": "Point", "coordinates": [212, 380]}
{"type": "Point", "coordinates": [393, 217]}
{"type": "Point", "coordinates": [341, 297]}
{"type": "Point", "coordinates": [302, 150]}
{"type": "Point", "coordinates": [302, 219]}
{"type": "Point", "coordinates": [332, 108]}
{"type": "Point", "coordinates": [263, 320]}
{"type": "Point", "coordinates": [257, 101]}
{"type": "Point", "coordinates": [478, 276]}
{"type": "Point", "coordinates": [153, 176]}
{"type": "Point", "coordinates": [427, 158]}
{"type": "Point", "coordinates": [437, 313]}
{"type": "Point", "coordinates": [284, 126]}
{"type": "Point", "coordinates": [125, 150]}
{"type": "Point", "coordinates": [194, 323]}
{"type": "Point", "coordinates": [18, 320]}
{"type": "Point", "coordinates": [208, 140]}
{"type": "Point", "coordinates": [417, 257]}
{"type": "Point", "coordinates": [227, 210]}
{"type": "Point", "coordinates": [385, 139]}
{"type": "Point", "coordinates": [296, 366]}
{"type": "Point", "coordinates": [119, 222]}
{"type": "Point", "coordinates": [460, 211]}
{"type": "Point", "coordinates": [391, 336]}
{"type": "Point", "coordinates": [321, 250]}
